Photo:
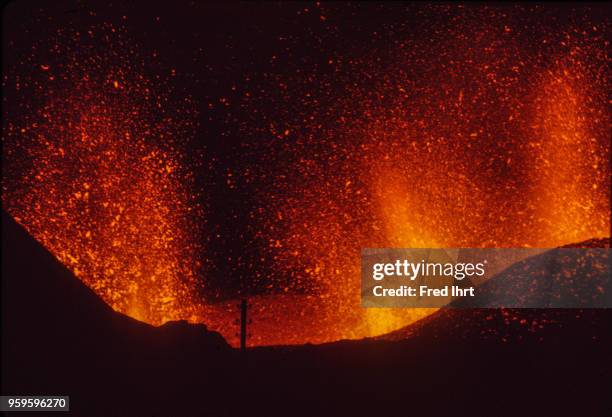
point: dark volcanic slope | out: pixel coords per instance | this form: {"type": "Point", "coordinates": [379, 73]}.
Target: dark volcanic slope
{"type": "Point", "coordinates": [558, 278]}
{"type": "Point", "coordinates": [459, 362]}
{"type": "Point", "coordinates": [535, 281]}
{"type": "Point", "coordinates": [58, 336]}
{"type": "Point", "coordinates": [456, 362]}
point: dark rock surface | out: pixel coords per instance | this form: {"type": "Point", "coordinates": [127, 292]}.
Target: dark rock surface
{"type": "Point", "coordinates": [59, 338]}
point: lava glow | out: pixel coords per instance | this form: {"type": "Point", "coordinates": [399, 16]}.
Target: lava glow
{"type": "Point", "coordinates": [92, 181]}
{"type": "Point", "coordinates": [489, 130]}
{"type": "Point", "coordinates": [460, 136]}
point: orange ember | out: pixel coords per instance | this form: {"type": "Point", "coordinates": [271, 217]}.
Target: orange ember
{"type": "Point", "coordinates": [474, 141]}
{"type": "Point", "coordinates": [92, 181]}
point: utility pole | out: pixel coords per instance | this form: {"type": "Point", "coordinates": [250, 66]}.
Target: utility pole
{"type": "Point", "coordinates": [243, 324]}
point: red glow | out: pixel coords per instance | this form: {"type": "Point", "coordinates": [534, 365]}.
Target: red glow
{"type": "Point", "coordinates": [481, 142]}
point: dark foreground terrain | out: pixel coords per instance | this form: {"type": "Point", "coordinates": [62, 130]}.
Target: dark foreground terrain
{"type": "Point", "coordinates": [58, 337]}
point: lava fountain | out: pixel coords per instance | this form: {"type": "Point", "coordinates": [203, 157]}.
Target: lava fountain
{"type": "Point", "coordinates": [487, 130]}
{"type": "Point", "coordinates": [459, 136]}
{"type": "Point", "coordinates": [93, 173]}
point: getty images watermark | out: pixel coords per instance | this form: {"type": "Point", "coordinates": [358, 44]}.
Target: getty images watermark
{"type": "Point", "coordinates": [498, 277]}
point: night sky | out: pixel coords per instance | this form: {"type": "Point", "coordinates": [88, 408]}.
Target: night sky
{"type": "Point", "coordinates": [254, 148]}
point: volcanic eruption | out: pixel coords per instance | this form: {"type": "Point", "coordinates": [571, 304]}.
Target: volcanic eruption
{"type": "Point", "coordinates": [485, 130]}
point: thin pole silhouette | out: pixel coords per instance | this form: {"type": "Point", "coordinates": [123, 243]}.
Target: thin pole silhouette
{"type": "Point", "coordinates": [243, 324]}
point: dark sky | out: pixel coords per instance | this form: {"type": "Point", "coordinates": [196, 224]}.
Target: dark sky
{"type": "Point", "coordinates": [223, 49]}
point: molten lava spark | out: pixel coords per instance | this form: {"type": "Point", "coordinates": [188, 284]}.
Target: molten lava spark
{"type": "Point", "coordinates": [456, 135]}
{"type": "Point", "coordinates": [95, 177]}
{"type": "Point", "coordinates": [486, 129]}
